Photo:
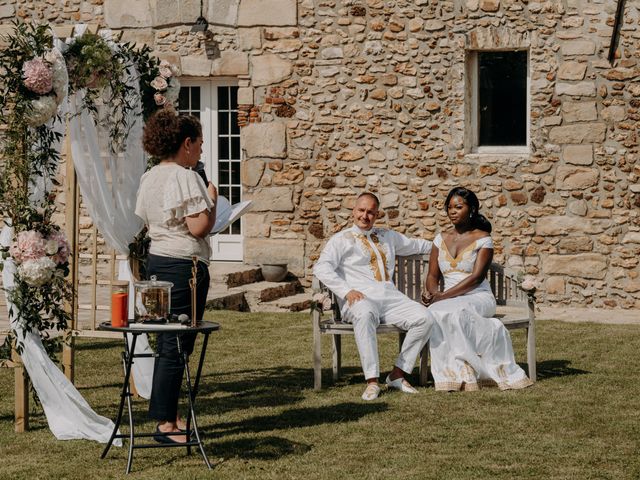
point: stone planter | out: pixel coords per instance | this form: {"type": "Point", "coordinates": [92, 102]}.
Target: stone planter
{"type": "Point", "coordinates": [274, 272]}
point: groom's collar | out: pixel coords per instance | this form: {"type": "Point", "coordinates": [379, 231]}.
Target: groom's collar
{"type": "Point", "coordinates": [359, 231]}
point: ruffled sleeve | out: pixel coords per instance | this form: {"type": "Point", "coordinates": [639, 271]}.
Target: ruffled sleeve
{"type": "Point", "coordinates": [485, 242]}
{"type": "Point", "coordinates": [438, 241]}
{"type": "Point", "coordinates": [185, 194]}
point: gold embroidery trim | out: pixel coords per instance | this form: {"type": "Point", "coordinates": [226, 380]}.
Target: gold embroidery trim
{"type": "Point", "coordinates": [383, 256]}
{"type": "Point", "coordinates": [373, 261]}
{"type": "Point", "coordinates": [454, 261]}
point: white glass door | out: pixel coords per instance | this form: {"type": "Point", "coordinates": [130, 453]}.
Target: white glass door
{"type": "Point", "coordinates": [216, 104]}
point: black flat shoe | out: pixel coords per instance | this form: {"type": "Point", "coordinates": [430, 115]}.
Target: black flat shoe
{"type": "Point", "coordinates": [160, 437]}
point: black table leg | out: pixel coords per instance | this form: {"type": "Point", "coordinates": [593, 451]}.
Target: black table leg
{"type": "Point", "coordinates": [127, 361]}
{"type": "Point", "coordinates": [191, 399]}
{"type": "Point", "coordinates": [196, 383]}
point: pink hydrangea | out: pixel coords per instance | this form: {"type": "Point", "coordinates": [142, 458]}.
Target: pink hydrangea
{"type": "Point", "coordinates": [37, 76]}
{"type": "Point", "coordinates": [29, 245]}
{"type": "Point", "coordinates": [62, 250]}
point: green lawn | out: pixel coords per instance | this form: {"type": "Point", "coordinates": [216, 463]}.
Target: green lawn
{"type": "Point", "coordinates": [262, 419]}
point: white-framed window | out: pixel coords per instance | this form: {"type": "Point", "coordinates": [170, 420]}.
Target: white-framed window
{"type": "Point", "coordinates": [215, 103]}
{"type": "Point", "coordinates": [498, 101]}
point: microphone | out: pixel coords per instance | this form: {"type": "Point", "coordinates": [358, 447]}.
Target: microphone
{"type": "Point", "coordinates": [199, 169]}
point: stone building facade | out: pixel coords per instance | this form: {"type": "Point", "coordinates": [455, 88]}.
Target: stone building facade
{"type": "Point", "coordinates": [341, 96]}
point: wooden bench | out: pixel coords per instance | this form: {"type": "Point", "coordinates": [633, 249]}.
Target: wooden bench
{"type": "Point", "coordinates": [515, 310]}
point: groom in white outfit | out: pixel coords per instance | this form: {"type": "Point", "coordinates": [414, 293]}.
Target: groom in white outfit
{"type": "Point", "coordinates": [357, 265]}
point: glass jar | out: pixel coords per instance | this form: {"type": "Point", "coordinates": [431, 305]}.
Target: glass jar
{"type": "Point", "coordinates": [120, 304]}
{"type": "Point", "coordinates": [153, 300]}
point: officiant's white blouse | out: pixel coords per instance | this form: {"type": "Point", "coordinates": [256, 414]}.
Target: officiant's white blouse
{"type": "Point", "coordinates": [167, 194]}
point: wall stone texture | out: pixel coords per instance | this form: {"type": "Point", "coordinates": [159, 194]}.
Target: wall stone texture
{"type": "Point", "coordinates": [343, 96]}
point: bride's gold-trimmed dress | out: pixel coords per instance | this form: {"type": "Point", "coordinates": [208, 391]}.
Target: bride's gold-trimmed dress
{"type": "Point", "coordinates": [469, 348]}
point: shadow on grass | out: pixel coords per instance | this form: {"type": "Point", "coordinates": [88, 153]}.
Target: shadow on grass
{"type": "Point", "coordinates": [557, 368]}
{"type": "Point", "coordinates": [266, 387]}
{"type": "Point", "coordinates": [265, 448]}
{"type": "Point", "coordinates": [300, 418]}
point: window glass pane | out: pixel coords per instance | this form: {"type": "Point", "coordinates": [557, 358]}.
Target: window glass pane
{"type": "Point", "coordinates": [235, 148]}
{"type": "Point", "coordinates": [223, 123]}
{"type": "Point", "coordinates": [233, 101]}
{"type": "Point", "coordinates": [502, 102]}
{"type": "Point", "coordinates": [183, 99]}
{"type": "Point", "coordinates": [224, 173]}
{"type": "Point", "coordinates": [234, 123]}
{"type": "Point", "coordinates": [235, 173]}
{"type": "Point", "coordinates": [223, 98]}
{"type": "Point", "coordinates": [223, 148]}
{"type": "Point", "coordinates": [224, 191]}
{"type": "Point", "coordinates": [195, 98]}
{"type": "Point", "coordinates": [235, 227]}
{"type": "Point", "coordinates": [235, 195]}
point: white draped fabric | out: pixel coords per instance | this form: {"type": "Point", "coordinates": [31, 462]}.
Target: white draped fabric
{"type": "Point", "coordinates": [108, 183]}
{"type": "Point", "coordinates": [68, 414]}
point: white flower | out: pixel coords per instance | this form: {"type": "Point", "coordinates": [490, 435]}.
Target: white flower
{"type": "Point", "coordinates": [165, 69]}
{"type": "Point", "coordinates": [60, 74]}
{"type": "Point", "coordinates": [37, 272]}
{"type": "Point", "coordinates": [42, 110]}
{"type": "Point", "coordinates": [323, 300]}
{"type": "Point", "coordinates": [159, 83]}
{"type": "Point", "coordinates": [51, 247]}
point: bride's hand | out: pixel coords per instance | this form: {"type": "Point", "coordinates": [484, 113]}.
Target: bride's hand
{"type": "Point", "coordinates": [427, 298]}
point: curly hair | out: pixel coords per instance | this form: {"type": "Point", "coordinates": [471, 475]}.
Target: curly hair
{"type": "Point", "coordinates": [165, 131]}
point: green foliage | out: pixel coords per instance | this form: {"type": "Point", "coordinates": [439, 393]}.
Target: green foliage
{"type": "Point", "coordinates": [29, 153]}
{"type": "Point", "coordinates": [147, 67]}
{"type": "Point", "coordinates": [107, 72]}
{"type": "Point", "coordinates": [101, 69]}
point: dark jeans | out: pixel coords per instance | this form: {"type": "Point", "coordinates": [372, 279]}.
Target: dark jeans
{"type": "Point", "coordinates": [169, 367]}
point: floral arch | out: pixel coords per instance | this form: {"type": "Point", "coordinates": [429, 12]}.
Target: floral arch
{"type": "Point", "coordinates": [92, 87]}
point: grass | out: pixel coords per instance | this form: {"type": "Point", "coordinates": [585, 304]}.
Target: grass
{"type": "Point", "coordinates": [261, 418]}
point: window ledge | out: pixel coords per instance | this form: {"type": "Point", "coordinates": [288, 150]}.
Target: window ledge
{"type": "Point", "coordinates": [496, 150]}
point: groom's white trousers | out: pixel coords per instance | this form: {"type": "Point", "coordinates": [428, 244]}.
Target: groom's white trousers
{"type": "Point", "coordinates": [384, 304]}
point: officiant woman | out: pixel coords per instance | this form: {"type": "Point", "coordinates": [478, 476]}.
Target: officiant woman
{"type": "Point", "coordinates": [179, 211]}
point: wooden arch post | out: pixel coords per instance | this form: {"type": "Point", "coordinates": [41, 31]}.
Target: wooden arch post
{"type": "Point", "coordinates": [72, 231]}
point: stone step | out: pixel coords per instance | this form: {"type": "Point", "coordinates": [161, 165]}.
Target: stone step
{"type": "Point", "coordinates": [294, 303]}
{"type": "Point", "coordinates": [232, 274]}
{"type": "Point", "coordinates": [250, 297]}
{"type": "Point", "coordinates": [257, 294]}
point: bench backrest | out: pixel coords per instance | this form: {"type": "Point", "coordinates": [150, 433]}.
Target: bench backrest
{"type": "Point", "coordinates": [411, 270]}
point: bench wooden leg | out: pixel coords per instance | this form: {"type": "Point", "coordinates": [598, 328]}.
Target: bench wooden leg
{"type": "Point", "coordinates": [317, 351]}
{"type": "Point", "coordinates": [337, 356]}
{"type": "Point", "coordinates": [424, 365]}
{"type": "Point", "coordinates": [531, 351]}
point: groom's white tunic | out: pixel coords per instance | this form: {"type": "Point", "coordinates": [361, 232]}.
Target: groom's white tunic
{"type": "Point", "coordinates": [356, 259]}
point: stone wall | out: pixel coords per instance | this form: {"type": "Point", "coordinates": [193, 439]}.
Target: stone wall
{"type": "Point", "coordinates": [341, 96]}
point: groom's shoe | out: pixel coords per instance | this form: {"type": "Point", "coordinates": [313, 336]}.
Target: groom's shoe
{"type": "Point", "coordinates": [400, 384]}
{"type": "Point", "coordinates": [371, 392]}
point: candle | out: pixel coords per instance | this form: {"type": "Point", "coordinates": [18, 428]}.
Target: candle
{"type": "Point", "coordinates": [120, 304]}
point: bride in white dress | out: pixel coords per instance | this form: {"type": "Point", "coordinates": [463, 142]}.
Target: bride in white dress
{"type": "Point", "coordinates": [469, 348]}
